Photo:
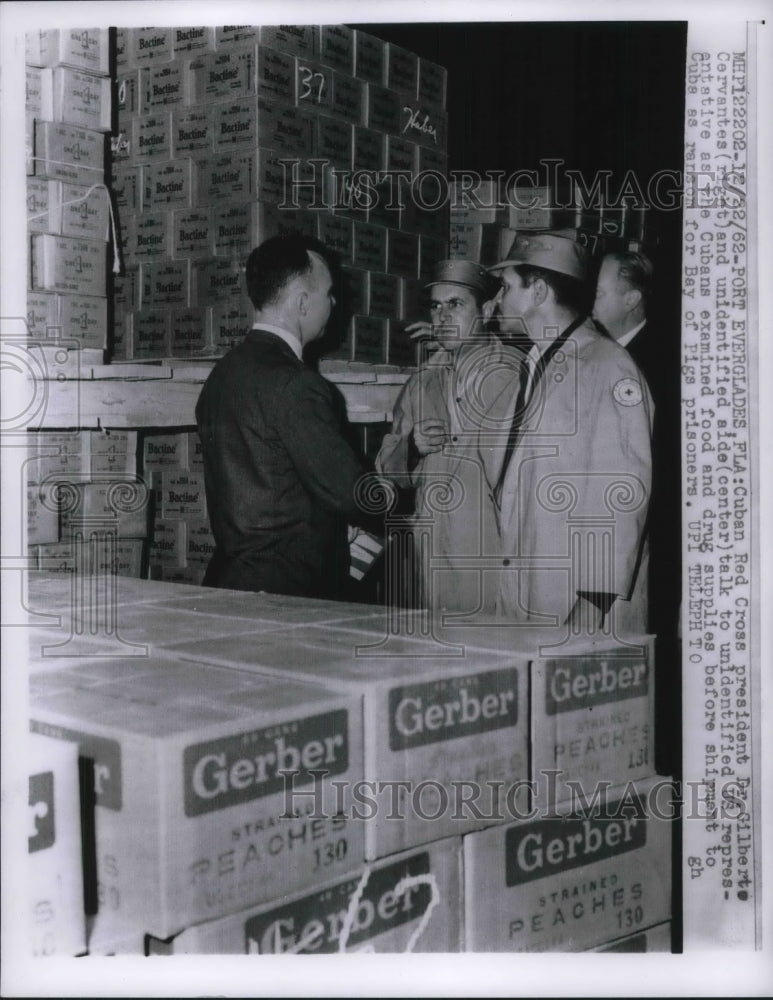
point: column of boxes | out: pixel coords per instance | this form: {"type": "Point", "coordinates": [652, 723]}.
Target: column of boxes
{"type": "Point", "coordinates": [422, 831]}
{"type": "Point", "coordinates": [68, 114]}
{"type": "Point", "coordinates": [200, 180]}
{"type": "Point", "coordinates": [86, 506]}
{"type": "Point", "coordinates": [182, 543]}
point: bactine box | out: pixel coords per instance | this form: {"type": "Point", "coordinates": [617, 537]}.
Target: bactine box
{"type": "Point", "coordinates": [192, 40]}
{"type": "Point", "coordinates": [275, 74]}
{"type": "Point", "coordinates": [191, 332]}
{"type": "Point", "coordinates": [435, 724]}
{"type": "Point", "coordinates": [164, 283]}
{"type": "Point", "coordinates": [163, 86]}
{"type": "Point", "coordinates": [151, 45]}
{"type": "Point", "coordinates": [217, 280]}
{"type": "Point", "coordinates": [54, 904]}
{"type": "Point", "coordinates": [408, 900]}
{"type": "Point", "coordinates": [234, 173]}
{"type": "Point", "coordinates": [369, 58]}
{"type": "Point", "coordinates": [167, 184]}
{"type": "Point", "coordinates": [231, 320]}
{"type": "Point", "coordinates": [424, 124]}
{"type": "Point", "coordinates": [182, 495]}
{"type": "Point", "coordinates": [270, 125]}
{"type": "Point", "coordinates": [167, 547]}
{"type": "Point", "coordinates": [348, 98]}
{"type": "Point", "coordinates": [77, 98]}
{"type": "Point", "coordinates": [68, 153]}
{"type": "Point", "coordinates": [369, 335]}
{"type": "Point", "coordinates": [192, 233]}
{"type": "Point", "coordinates": [336, 47]}
{"type": "Point", "coordinates": [231, 36]}
{"type": "Point", "coordinates": [572, 880]}
{"type": "Point", "coordinates": [313, 85]}
{"type": "Point", "coordinates": [161, 451]}
{"type": "Point", "coordinates": [193, 131]}
{"type": "Point", "coordinates": [220, 76]}
{"type": "Point", "coordinates": [151, 333]}
{"type": "Point", "coordinates": [126, 185]}
{"type": "Point", "coordinates": [384, 295]}
{"type": "Point", "coordinates": [297, 39]}
{"type": "Point", "coordinates": [433, 83]}
{"type": "Point", "coordinates": [151, 137]}
{"type": "Point", "coordinates": [189, 798]}
{"type": "Point", "coordinates": [402, 70]}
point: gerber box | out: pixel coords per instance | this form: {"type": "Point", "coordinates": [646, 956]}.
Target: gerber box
{"type": "Point", "coordinates": [55, 876]}
{"type": "Point", "coordinates": [438, 727]}
{"type": "Point", "coordinates": [592, 716]}
{"type": "Point", "coordinates": [571, 881]}
{"type": "Point", "coordinates": [409, 902]}
{"type": "Point", "coordinates": [188, 792]}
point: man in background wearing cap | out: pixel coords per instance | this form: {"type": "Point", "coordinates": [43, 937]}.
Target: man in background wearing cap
{"type": "Point", "coordinates": [574, 484]}
{"type": "Point", "coordinates": [448, 420]}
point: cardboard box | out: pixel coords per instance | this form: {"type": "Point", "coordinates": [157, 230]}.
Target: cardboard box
{"type": "Point", "coordinates": [113, 452]}
{"type": "Point", "coordinates": [369, 152]}
{"type": "Point", "coordinates": [191, 332]}
{"type": "Point", "coordinates": [39, 205]}
{"type": "Point", "coordinates": [530, 218]}
{"type": "Point", "coordinates": [433, 159]}
{"type": "Point", "coordinates": [431, 251]}
{"type": "Point", "coordinates": [402, 254]}
{"type": "Point", "coordinates": [369, 58]}
{"type": "Point", "coordinates": [370, 339]}
{"type": "Point", "coordinates": [42, 515]}
{"type": "Point", "coordinates": [275, 74]}
{"type": "Point", "coordinates": [122, 338]}
{"type": "Point", "coordinates": [68, 153]}
{"type": "Point", "coordinates": [592, 716]}
{"type": "Point", "coordinates": [126, 289]}
{"type": "Point", "coordinates": [195, 454]}
{"type": "Point", "coordinates": [430, 719]}
{"type": "Point", "coordinates": [57, 921]}
{"type": "Point", "coordinates": [80, 48]}
{"type": "Point", "coordinates": [187, 41]}
{"type": "Point", "coordinates": [130, 95]}
{"type": "Point", "coordinates": [221, 76]}
{"type": "Point", "coordinates": [57, 558]}
{"type": "Point", "coordinates": [232, 37]}
{"type": "Point", "coordinates": [151, 137]}
{"type": "Point", "coordinates": [465, 241]}
{"type": "Point", "coordinates": [32, 91]}
{"type": "Point", "coordinates": [231, 320]}
{"type": "Point", "coordinates": [67, 209]}
{"type": "Point", "coordinates": [126, 185]}
{"type": "Point", "coordinates": [123, 53]}
{"type": "Point", "coordinates": [123, 506]}
{"type": "Point", "coordinates": [336, 47]}
{"type": "Point", "coordinates": [235, 173]}
{"type": "Point", "coordinates": [163, 451]}
{"type": "Point", "coordinates": [402, 70]}
{"type": "Point", "coordinates": [187, 822]}
{"type": "Point", "coordinates": [61, 454]}
{"type": "Point", "coordinates": [167, 185]}
{"type": "Point", "coordinates": [122, 143]}
{"type": "Point", "coordinates": [153, 236]}
{"type": "Point", "coordinates": [200, 543]}
{"type": "Point", "coordinates": [151, 333]}
{"type": "Point", "coordinates": [83, 319]}
{"type": "Point", "coordinates": [162, 87]}
{"type": "Point", "coordinates": [569, 882]}
{"type": "Point", "coordinates": [337, 234]}
{"type": "Point", "coordinates": [193, 131]}
{"type": "Point", "coordinates": [653, 939]}
{"type": "Point", "coordinates": [334, 139]}
{"type": "Point", "coordinates": [408, 902]}
{"type": "Point", "coordinates": [313, 85]}
{"type": "Point", "coordinates": [370, 246]}
{"type": "Point", "coordinates": [277, 220]}
{"type": "Point", "coordinates": [192, 233]}
{"type": "Point", "coordinates": [384, 295]}
{"type": "Point", "coordinates": [424, 124]}
{"type": "Point", "coordinates": [182, 495]}
{"type": "Point", "coordinates": [167, 546]}
{"type": "Point", "coordinates": [217, 280]}
{"type": "Point", "coordinates": [401, 350]}
{"type": "Point", "coordinates": [237, 227]}
{"type": "Point", "coordinates": [66, 264]}
{"type": "Point", "coordinates": [77, 98]}
{"type": "Point", "coordinates": [151, 45]}
{"type": "Point", "coordinates": [43, 315]}
{"type": "Point", "coordinates": [401, 155]}
{"type": "Point", "coordinates": [385, 109]}
{"type": "Point", "coordinates": [297, 39]}
{"type": "Point", "coordinates": [164, 283]}
{"type": "Point", "coordinates": [433, 83]}
{"type": "Point", "coordinates": [349, 99]}
{"type": "Point", "coordinates": [32, 56]}
{"type": "Point", "coordinates": [354, 290]}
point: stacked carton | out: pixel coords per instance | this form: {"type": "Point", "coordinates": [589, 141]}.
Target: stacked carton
{"type": "Point", "coordinates": [203, 128]}
{"type": "Point", "coordinates": [487, 216]}
{"type": "Point", "coordinates": [86, 507]}
{"type": "Point", "coordinates": [412, 818]}
{"type": "Point", "coordinates": [68, 111]}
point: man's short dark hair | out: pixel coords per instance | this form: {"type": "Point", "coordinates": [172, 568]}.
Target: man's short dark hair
{"type": "Point", "coordinates": [636, 270]}
{"type": "Point", "coordinates": [277, 261]}
{"type": "Point", "coordinates": [570, 293]}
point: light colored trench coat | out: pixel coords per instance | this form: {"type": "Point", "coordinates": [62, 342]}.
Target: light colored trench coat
{"type": "Point", "coordinates": [474, 397]}
{"type": "Point", "coordinates": [575, 494]}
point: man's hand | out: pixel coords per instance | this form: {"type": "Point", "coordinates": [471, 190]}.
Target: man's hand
{"type": "Point", "coordinates": [419, 331]}
{"type": "Point", "coordinates": [429, 436]}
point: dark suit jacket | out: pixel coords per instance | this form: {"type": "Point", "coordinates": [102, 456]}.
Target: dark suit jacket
{"type": "Point", "coordinates": [279, 475]}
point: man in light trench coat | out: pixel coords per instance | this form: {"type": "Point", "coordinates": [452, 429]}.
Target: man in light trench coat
{"type": "Point", "coordinates": [573, 487]}
{"type": "Point", "coordinates": [449, 419]}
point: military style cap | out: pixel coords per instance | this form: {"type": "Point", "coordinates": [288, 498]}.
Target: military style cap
{"type": "Point", "coordinates": [463, 272]}
{"type": "Point", "coordinates": [555, 251]}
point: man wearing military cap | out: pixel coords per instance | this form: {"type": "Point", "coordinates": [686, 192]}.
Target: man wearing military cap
{"type": "Point", "coordinates": [448, 420]}
{"type": "Point", "coordinates": [573, 487]}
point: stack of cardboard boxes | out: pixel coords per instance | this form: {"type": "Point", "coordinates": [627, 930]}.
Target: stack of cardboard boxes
{"type": "Point", "coordinates": [486, 217]}
{"type": "Point", "coordinates": [68, 109]}
{"type": "Point", "coordinates": [307, 778]}
{"type": "Point", "coordinates": [226, 136]}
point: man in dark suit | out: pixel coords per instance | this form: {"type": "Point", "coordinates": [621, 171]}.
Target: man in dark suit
{"type": "Point", "coordinates": [279, 475]}
{"type": "Point", "coordinates": [622, 305]}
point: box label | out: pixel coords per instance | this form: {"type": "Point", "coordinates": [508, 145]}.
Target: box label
{"type": "Point", "coordinates": [536, 850]}
{"type": "Point", "coordinates": [102, 753]}
{"type": "Point", "coordinates": [236, 769]}
{"type": "Point", "coordinates": [574, 683]}
{"type": "Point", "coordinates": [318, 919]}
{"type": "Point", "coordinates": [452, 707]}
